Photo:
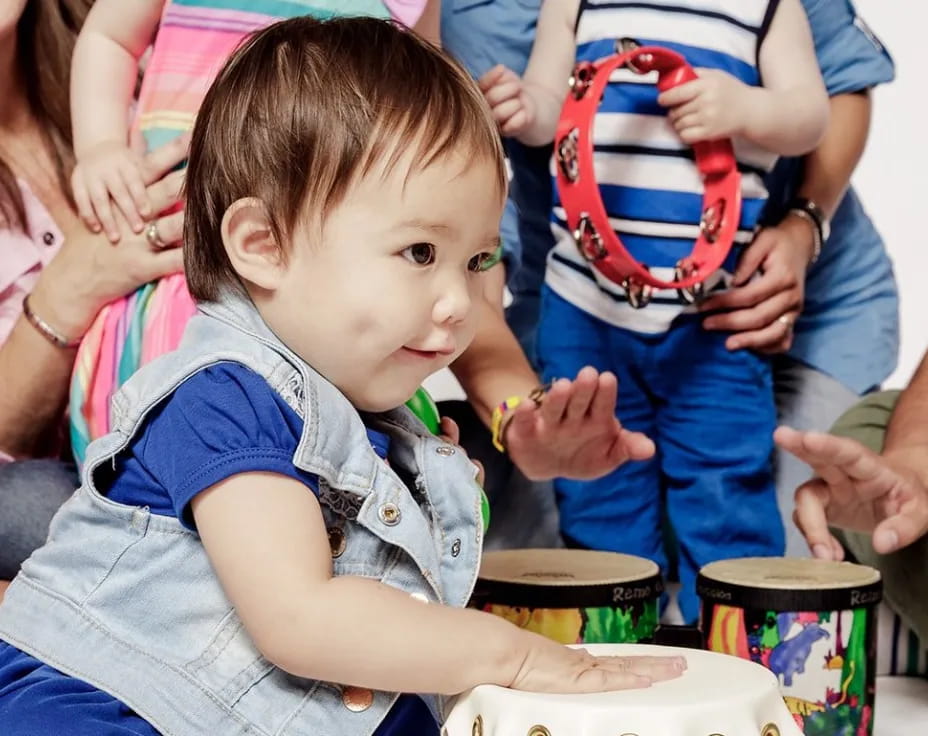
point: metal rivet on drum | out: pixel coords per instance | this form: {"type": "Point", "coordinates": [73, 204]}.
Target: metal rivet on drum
{"type": "Point", "coordinates": [456, 548]}
{"type": "Point", "coordinates": [389, 514]}
{"type": "Point", "coordinates": [336, 541]}
{"type": "Point", "coordinates": [538, 731]}
{"type": "Point", "coordinates": [770, 730]}
{"type": "Point", "coordinates": [477, 728]}
{"type": "Point", "coordinates": [445, 450]}
{"type": "Point", "coordinates": [357, 699]}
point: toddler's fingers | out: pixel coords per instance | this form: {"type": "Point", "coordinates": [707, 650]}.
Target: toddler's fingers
{"type": "Point", "coordinates": [100, 198]}
{"type": "Point", "coordinates": [680, 95]}
{"type": "Point", "coordinates": [84, 205]}
{"type": "Point", "coordinates": [119, 193]}
{"type": "Point", "coordinates": [503, 91]}
{"type": "Point", "coordinates": [492, 77]}
{"type": "Point", "coordinates": [133, 181]}
{"type": "Point", "coordinates": [449, 430]}
{"type": "Point", "coordinates": [654, 668]}
{"type": "Point", "coordinates": [514, 124]}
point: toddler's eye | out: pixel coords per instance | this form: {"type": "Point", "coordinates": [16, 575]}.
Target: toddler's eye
{"type": "Point", "coordinates": [422, 254]}
{"type": "Point", "coordinates": [485, 261]}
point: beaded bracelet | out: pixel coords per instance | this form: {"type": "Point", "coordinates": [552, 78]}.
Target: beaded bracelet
{"type": "Point", "coordinates": [496, 420]}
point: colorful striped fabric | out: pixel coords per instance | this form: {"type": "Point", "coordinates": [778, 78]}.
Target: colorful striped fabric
{"type": "Point", "coordinates": [194, 39]}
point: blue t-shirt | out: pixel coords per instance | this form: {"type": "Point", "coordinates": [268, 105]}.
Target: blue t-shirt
{"type": "Point", "coordinates": [222, 421]}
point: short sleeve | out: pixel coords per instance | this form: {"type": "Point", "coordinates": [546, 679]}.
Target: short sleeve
{"type": "Point", "coordinates": [222, 421]}
{"type": "Point", "coordinates": [850, 55]}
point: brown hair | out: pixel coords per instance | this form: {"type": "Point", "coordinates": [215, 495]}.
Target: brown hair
{"type": "Point", "coordinates": [305, 107]}
{"type": "Point", "coordinates": [45, 37]}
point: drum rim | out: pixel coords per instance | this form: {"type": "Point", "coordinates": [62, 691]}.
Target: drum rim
{"type": "Point", "coordinates": [648, 568]}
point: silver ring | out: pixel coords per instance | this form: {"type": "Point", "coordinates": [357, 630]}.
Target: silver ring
{"type": "Point", "coordinates": [154, 237]}
{"type": "Point", "coordinates": [786, 321]}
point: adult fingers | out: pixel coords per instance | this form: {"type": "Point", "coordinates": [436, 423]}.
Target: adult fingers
{"type": "Point", "coordinates": [812, 501]}
{"type": "Point", "coordinates": [762, 314]}
{"type": "Point", "coordinates": [902, 528]}
{"type": "Point", "coordinates": [164, 158]}
{"type": "Point", "coordinates": [777, 337]}
{"type": "Point", "coordinates": [163, 263]}
{"type": "Point", "coordinates": [165, 192]}
{"type": "Point", "coordinates": [754, 256]}
{"type": "Point", "coordinates": [749, 295]}
{"type": "Point", "coordinates": [171, 228]}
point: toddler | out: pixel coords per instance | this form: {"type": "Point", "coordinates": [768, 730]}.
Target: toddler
{"type": "Point", "coordinates": [709, 410]}
{"type": "Point", "coordinates": [268, 541]}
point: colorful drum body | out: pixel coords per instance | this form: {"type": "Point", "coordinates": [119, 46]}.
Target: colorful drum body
{"type": "Point", "coordinates": [572, 596]}
{"type": "Point", "coordinates": [811, 622]}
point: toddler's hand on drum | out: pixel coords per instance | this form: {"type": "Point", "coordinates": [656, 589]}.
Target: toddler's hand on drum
{"type": "Point", "coordinates": [550, 667]}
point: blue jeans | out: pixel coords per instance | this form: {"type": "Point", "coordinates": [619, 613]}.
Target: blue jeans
{"type": "Point", "coordinates": [30, 493]}
{"type": "Point", "coordinates": [711, 414]}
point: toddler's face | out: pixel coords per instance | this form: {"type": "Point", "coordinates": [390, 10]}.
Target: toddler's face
{"type": "Point", "coordinates": [390, 294]}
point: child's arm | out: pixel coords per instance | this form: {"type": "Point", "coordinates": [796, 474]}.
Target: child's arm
{"type": "Point", "coordinates": [429, 24]}
{"type": "Point", "coordinates": [788, 115]}
{"type": "Point", "coordinates": [103, 77]}
{"type": "Point", "coordinates": [528, 108]}
{"type": "Point", "coordinates": [267, 541]}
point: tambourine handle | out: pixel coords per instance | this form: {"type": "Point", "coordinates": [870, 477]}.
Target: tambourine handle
{"type": "Point", "coordinates": [712, 157]}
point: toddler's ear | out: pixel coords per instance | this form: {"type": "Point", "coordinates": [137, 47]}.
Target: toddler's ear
{"type": "Point", "coordinates": [250, 243]}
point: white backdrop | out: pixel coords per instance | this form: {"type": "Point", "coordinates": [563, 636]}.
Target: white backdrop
{"type": "Point", "coordinates": [896, 159]}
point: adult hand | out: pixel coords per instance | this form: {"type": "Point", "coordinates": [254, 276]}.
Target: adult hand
{"type": "Point", "coordinates": [761, 311]}
{"type": "Point", "coordinates": [574, 432]}
{"type": "Point", "coordinates": [89, 271]}
{"type": "Point", "coordinates": [855, 489]}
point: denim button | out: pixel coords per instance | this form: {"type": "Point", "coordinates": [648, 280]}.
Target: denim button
{"type": "Point", "coordinates": [445, 450]}
{"type": "Point", "coordinates": [389, 514]}
{"type": "Point", "coordinates": [456, 548]}
{"type": "Point", "coordinates": [336, 541]}
{"type": "Point", "coordinates": [357, 699]}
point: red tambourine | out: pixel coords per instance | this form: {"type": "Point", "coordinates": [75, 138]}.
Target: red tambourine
{"type": "Point", "coordinates": [580, 195]}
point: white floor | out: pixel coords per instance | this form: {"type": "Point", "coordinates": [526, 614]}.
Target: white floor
{"type": "Point", "coordinates": [901, 706]}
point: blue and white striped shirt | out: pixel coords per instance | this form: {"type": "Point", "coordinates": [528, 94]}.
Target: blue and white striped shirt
{"type": "Point", "coordinates": [648, 180]}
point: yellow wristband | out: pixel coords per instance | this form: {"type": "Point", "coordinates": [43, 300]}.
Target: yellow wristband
{"type": "Point", "coordinates": [496, 421]}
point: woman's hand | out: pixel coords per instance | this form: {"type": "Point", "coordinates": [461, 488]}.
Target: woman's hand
{"type": "Point", "coordinates": [89, 271]}
{"type": "Point", "coordinates": [761, 311]}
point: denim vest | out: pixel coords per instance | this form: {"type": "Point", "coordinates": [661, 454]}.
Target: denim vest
{"type": "Point", "coordinates": [127, 600]}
